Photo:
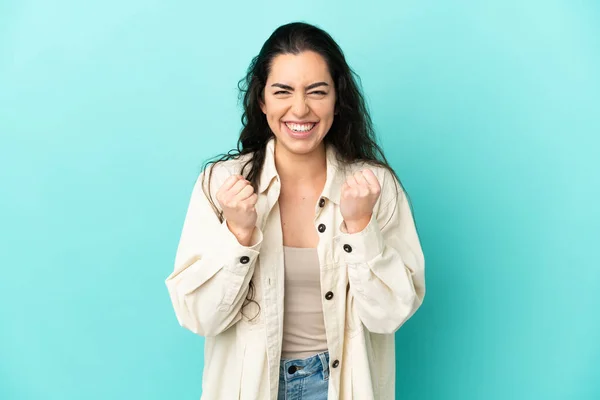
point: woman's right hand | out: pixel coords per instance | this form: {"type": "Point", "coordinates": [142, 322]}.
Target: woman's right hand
{"type": "Point", "coordinates": [237, 199]}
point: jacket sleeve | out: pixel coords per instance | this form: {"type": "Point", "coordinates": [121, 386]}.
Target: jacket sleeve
{"type": "Point", "coordinates": [385, 263]}
{"type": "Point", "coordinates": [212, 269]}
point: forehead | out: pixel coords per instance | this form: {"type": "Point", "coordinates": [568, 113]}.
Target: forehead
{"type": "Point", "coordinates": [305, 67]}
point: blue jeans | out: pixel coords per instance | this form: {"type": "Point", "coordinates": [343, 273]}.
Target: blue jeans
{"type": "Point", "coordinates": [304, 379]}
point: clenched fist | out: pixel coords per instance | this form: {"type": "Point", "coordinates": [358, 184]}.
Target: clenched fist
{"type": "Point", "coordinates": [237, 198]}
{"type": "Point", "coordinates": [359, 195]}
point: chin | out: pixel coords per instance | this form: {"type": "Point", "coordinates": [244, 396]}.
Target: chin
{"type": "Point", "coordinates": [304, 146]}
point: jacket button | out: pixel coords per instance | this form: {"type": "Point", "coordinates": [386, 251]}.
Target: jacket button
{"type": "Point", "coordinates": [329, 295]}
{"type": "Point", "coordinates": [245, 259]}
{"type": "Point", "coordinates": [321, 228]}
{"type": "Point", "coordinates": [348, 248]}
{"type": "Point", "coordinates": [322, 202]}
{"type": "Point", "coordinates": [292, 369]}
{"type": "Point", "coordinates": [335, 364]}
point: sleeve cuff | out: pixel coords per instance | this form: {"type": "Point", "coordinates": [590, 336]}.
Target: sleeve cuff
{"type": "Point", "coordinates": [240, 257]}
{"type": "Point", "coordinates": [360, 247]}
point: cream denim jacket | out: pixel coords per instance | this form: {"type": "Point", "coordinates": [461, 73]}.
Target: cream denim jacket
{"type": "Point", "coordinates": [371, 282]}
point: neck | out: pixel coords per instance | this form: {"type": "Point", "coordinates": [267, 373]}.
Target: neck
{"type": "Point", "coordinates": [301, 168]}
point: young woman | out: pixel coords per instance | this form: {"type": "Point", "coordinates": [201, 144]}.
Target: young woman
{"type": "Point", "coordinates": [299, 256]}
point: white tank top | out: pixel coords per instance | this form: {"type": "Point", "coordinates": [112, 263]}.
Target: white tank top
{"type": "Point", "coordinates": [303, 324]}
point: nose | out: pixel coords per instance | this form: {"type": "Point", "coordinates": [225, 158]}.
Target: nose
{"type": "Point", "coordinates": [300, 108]}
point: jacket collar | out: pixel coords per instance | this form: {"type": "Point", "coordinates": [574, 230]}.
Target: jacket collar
{"type": "Point", "coordinates": [333, 183]}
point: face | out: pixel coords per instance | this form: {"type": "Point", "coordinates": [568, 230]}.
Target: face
{"type": "Point", "coordinates": [299, 101]}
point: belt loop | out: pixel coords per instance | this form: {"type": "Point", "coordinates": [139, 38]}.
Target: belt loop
{"type": "Point", "coordinates": [325, 363]}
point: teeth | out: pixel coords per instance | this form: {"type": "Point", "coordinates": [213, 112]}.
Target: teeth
{"type": "Point", "coordinates": [300, 128]}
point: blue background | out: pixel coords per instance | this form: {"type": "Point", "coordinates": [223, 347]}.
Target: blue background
{"type": "Point", "coordinates": [487, 110]}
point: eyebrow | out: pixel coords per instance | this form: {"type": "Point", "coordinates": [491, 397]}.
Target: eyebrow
{"type": "Point", "coordinates": [311, 86]}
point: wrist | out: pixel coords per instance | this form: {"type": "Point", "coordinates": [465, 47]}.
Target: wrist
{"type": "Point", "coordinates": [243, 235]}
{"type": "Point", "coordinates": [354, 226]}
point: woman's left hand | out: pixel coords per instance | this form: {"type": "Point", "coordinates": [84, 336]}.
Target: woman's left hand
{"type": "Point", "coordinates": [359, 195]}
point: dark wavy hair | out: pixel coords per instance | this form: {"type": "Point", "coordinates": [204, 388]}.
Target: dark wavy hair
{"type": "Point", "coordinates": [351, 134]}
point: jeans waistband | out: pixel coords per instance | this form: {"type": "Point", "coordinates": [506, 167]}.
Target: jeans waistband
{"type": "Point", "coordinates": [291, 369]}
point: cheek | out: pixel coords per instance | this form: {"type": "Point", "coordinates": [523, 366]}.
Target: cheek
{"type": "Point", "coordinates": [274, 110]}
{"type": "Point", "coordinates": [326, 109]}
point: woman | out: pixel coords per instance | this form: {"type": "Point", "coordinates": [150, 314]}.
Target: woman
{"type": "Point", "coordinates": [308, 261]}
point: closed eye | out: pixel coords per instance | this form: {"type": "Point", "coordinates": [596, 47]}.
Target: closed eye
{"type": "Point", "coordinates": [317, 92]}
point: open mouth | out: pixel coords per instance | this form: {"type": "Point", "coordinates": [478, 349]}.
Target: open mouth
{"type": "Point", "coordinates": [300, 129]}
